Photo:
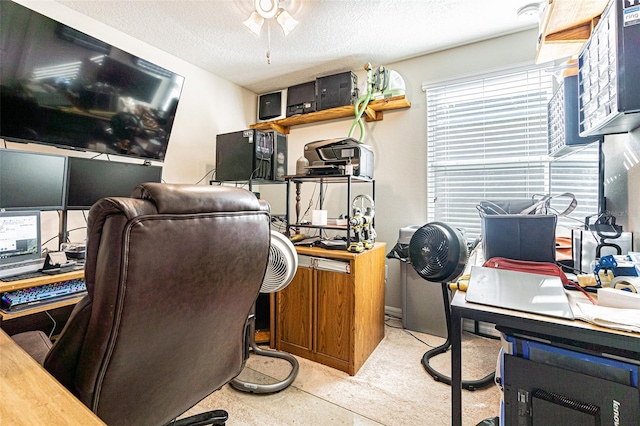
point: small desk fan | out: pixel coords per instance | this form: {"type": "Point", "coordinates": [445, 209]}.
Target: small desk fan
{"type": "Point", "coordinates": [283, 263]}
{"type": "Point", "coordinates": [439, 253]}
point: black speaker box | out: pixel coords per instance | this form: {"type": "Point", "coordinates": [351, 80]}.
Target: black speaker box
{"type": "Point", "coordinates": [279, 159]}
{"type": "Point", "coordinates": [301, 98]}
{"type": "Point", "coordinates": [272, 106]}
{"type": "Point", "coordinates": [336, 90]}
{"type": "Point", "coordinates": [251, 155]}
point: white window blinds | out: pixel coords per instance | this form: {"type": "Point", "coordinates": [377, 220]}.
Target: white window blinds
{"type": "Point", "coordinates": [487, 140]}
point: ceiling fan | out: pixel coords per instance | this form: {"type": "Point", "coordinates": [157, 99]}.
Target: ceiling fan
{"type": "Point", "coordinates": [269, 9]}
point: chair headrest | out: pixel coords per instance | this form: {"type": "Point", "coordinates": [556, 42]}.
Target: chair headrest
{"type": "Point", "coordinates": [176, 198]}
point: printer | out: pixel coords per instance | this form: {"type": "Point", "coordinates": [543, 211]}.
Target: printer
{"type": "Point", "coordinates": [340, 156]}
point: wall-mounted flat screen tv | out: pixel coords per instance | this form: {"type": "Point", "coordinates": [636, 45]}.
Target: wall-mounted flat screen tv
{"type": "Point", "coordinates": [61, 87]}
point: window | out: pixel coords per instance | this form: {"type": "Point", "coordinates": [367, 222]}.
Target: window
{"type": "Point", "coordinates": [487, 140]}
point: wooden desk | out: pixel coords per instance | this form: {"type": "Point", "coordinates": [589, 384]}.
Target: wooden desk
{"type": "Point", "coordinates": [29, 395]}
{"type": "Point", "coordinates": [617, 342]}
{"type": "Point", "coordinates": [34, 282]}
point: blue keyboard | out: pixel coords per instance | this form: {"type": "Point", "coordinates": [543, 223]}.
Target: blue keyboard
{"type": "Point", "coordinates": [25, 298]}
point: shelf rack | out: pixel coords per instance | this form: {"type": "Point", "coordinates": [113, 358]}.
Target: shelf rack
{"type": "Point", "coordinates": [344, 179]}
{"type": "Point", "coordinates": [373, 112]}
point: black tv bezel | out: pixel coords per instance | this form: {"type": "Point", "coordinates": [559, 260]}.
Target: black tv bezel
{"type": "Point", "coordinates": [159, 157]}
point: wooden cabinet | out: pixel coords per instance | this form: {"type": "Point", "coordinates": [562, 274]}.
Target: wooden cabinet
{"type": "Point", "coordinates": [334, 318]}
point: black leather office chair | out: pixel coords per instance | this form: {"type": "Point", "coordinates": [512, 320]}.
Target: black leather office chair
{"type": "Point", "coordinates": [172, 274]}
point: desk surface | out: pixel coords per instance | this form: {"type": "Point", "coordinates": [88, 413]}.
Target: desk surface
{"type": "Point", "coordinates": [556, 327]}
{"type": "Point", "coordinates": [30, 395]}
{"type": "Point", "coordinates": [617, 342]}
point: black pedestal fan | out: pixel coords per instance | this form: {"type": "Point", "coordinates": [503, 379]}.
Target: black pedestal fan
{"type": "Point", "coordinates": [283, 263]}
{"type": "Point", "coordinates": [439, 253]}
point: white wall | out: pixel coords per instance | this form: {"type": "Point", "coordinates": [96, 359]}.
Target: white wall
{"type": "Point", "coordinates": [399, 140]}
{"type": "Point", "coordinates": [209, 105]}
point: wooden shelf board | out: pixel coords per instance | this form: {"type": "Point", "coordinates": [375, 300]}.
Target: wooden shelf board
{"type": "Point", "coordinates": [568, 23]}
{"type": "Point", "coordinates": [373, 113]}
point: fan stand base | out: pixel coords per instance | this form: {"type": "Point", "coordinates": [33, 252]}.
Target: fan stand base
{"type": "Point", "coordinates": [272, 387]}
{"type": "Point", "coordinates": [439, 377]}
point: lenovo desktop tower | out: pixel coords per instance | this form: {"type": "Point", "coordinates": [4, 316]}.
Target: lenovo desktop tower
{"type": "Point", "coordinates": [301, 98]}
{"type": "Point", "coordinates": [272, 106]}
{"type": "Point", "coordinates": [251, 155]}
{"type": "Point", "coordinates": [336, 90]}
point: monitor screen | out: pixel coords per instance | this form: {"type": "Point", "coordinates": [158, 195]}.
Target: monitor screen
{"type": "Point", "coordinates": [19, 236]}
{"type": "Point", "coordinates": [90, 180]}
{"type": "Point", "coordinates": [62, 87]}
{"type": "Point", "coordinates": [31, 180]}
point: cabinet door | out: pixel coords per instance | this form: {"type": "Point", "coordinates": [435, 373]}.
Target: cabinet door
{"type": "Point", "coordinates": [295, 313]}
{"type": "Point", "coordinates": [334, 314]}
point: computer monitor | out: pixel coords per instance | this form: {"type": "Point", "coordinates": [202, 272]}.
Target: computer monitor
{"type": "Point", "coordinates": [19, 236]}
{"type": "Point", "coordinates": [31, 180]}
{"type": "Point", "coordinates": [89, 180]}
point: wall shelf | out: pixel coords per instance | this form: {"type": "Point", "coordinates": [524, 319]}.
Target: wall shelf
{"type": "Point", "coordinates": [373, 112]}
{"type": "Point", "coordinates": [566, 26]}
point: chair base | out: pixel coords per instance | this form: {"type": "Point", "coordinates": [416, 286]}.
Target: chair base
{"type": "Point", "coordinates": [265, 388]}
{"type": "Point", "coordinates": [215, 417]}
{"type": "Point", "coordinates": [273, 387]}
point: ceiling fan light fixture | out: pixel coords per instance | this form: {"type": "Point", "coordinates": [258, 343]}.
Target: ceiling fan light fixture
{"type": "Point", "coordinates": [254, 23]}
{"type": "Point", "coordinates": [286, 21]}
{"type": "Point", "coordinates": [529, 11]}
{"type": "Point", "coordinates": [267, 8]}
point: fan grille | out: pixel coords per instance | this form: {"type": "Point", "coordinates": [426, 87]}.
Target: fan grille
{"type": "Point", "coordinates": [438, 252]}
{"type": "Point", "coordinates": [283, 262]}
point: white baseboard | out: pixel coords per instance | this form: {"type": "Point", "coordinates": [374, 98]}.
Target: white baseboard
{"type": "Point", "coordinates": [393, 312]}
{"type": "Point", "coordinates": [467, 324]}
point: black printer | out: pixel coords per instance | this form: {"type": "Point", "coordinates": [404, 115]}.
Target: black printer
{"type": "Point", "coordinates": [339, 156]}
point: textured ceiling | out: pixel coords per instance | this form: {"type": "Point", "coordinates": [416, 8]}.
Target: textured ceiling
{"type": "Point", "coordinates": [333, 35]}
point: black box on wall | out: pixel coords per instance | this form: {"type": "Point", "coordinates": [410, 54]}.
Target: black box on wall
{"type": "Point", "coordinates": [336, 90]}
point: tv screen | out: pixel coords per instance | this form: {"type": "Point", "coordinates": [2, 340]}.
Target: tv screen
{"type": "Point", "coordinates": [90, 180]}
{"type": "Point", "coordinates": [62, 87]}
{"type": "Point", "coordinates": [31, 180]}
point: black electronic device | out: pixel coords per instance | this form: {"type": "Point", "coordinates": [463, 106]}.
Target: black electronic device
{"type": "Point", "coordinates": [89, 180]}
{"type": "Point", "coordinates": [249, 155]}
{"type": "Point", "coordinates": [439, 253]}
{"type": "Point", "coordinates": [279, 158]}
{"type": "Point", "coordinates": [301, 98]}
{"type": "Point", "coordinates": [66, 88]}
{"type": "Point", "coordinates": [540, 394]}
{"type": "Point", "coordinates": [272, 106]}
{"type": "Point", "coordinates": [32, 180]}
{"type": "Point", "coordinates": [17, 300]}
{"type": "Point", "coordinates": [336, 90]}
{"type": "Point", "coordinates": [339, 156]}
